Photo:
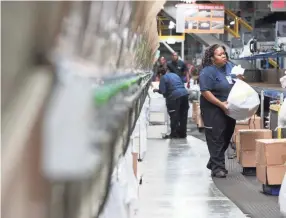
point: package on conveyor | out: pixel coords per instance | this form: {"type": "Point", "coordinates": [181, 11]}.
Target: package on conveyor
{"type": "Point", "coordinates": [243, 101]}
{"type": "Point", "coordinates": [199, 120]}
{"type": "Point", "coordinates": [282, 115]}
{"type": "Point", "coordinates": [283, 81]}
{"type": "Point", "coordinates": [253, 123]}
{"type": "Point", "coordinates": [196, 106]}
{"type": "Point", "coordinates": [270, 161]}
{"type": "Point", "coordinates": [246, 145]}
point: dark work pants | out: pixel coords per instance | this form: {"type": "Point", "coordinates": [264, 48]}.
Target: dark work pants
{"type": "Point", "coordinates": [219, 129]}
{"type": "Point", "coordinates": [178, 112]}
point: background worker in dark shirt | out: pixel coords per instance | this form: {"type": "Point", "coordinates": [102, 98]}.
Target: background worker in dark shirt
{"type": "Point", "coordinates": [161, 62]}
{"type": "Point", "coordinates": [173, 89]}
{"type": "Point", "coordinates": [179, 67]}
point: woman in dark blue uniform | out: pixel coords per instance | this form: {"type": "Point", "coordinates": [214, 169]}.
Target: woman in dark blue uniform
{"type": "Point", "coordinates": [215, 85]}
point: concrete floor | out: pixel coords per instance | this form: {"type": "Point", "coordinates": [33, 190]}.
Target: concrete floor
{"type": "Point", "coordinates": [176, 183]}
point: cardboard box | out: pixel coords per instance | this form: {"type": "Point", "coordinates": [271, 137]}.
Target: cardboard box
{"type": "Point", "coordinates": [247, 138]}
{"type": "Point", "coordinates": [247, 159]}
{"type": "Point", "coordinates": [195, 109]}
{"type": "Point", "coordinates": [238, 127]}
{"type": "Point", "coordinates": [271, 152]}
{"type": "Point", "coordinates": [236, 130]}
{"type": "Point", "coordinates": [270, 175]}
{"type": "Point", "coordinates": [199, 119]}
{"type": "Point", "coordinates": [255, 123]}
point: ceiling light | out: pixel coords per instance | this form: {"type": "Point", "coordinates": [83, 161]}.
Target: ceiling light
{"type": "Point", "coordinates": [172, 25]}
{"type": "Point", "coordinates": [188, 1]}
{"type": "Point", "coordinates": [171, 41]}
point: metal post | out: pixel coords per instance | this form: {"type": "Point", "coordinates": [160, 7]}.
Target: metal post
{"type": "Point", "coordinates": [262, 108]}
{"type": "Point", "coordinates": [281, 62]}
{"type": "Point", "coordinates": [281, 98]}
{"type": "Point", "coordinates": [183, 50]}
{"type": "Point", "coordinates": [168, 47]}
{"type": "Point", "coordinates": [267, 63]}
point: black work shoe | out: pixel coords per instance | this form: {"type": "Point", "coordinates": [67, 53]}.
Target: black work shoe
{"type": "Point", "coordinates": [220, 174]}
{"type": "Point", "coordinates": [226, 171]}
{"type": "Point", "coordinates": [182, 137]}
{"type": "Point", "coordinates": [169, 137]}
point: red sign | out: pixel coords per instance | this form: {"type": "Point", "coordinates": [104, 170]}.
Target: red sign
{"type": "Point", "coordinates": [277, 4]}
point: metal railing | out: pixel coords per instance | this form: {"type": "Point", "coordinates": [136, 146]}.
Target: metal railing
{"type": "Point", "coordinates": [238, 22]}
{"type": "Point", "coordinates": [86, 197]}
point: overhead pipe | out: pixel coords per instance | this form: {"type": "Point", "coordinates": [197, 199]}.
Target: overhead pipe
{"type": "Point", "coordinates": [169, 48]}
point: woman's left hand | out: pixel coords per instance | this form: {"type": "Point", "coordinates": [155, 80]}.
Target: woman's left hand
{"type": "Point", "coordinates": [155, 90]}
{"type": "Point", "coordinates": [241, 77]}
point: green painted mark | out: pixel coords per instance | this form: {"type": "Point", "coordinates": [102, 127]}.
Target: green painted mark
{"type": "Point", "coordinates": [105, 93]}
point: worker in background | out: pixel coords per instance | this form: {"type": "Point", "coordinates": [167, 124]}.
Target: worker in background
{"type": "Point", "coordinates": [172, 88]}
{"type": "Point", "coordinates": [179, 67]}
{"type": "Point", "coordinates": [215, 85]}
{"type": "Point", "coordinates": [159, 64]}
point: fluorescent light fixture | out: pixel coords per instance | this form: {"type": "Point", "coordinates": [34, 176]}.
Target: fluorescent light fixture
{"type": "Point", "coordinates": [171, 41]}
{"type": "Point", "coordinates": [188, 1]}
{"type": "Point", "coordinates": [171, 25]}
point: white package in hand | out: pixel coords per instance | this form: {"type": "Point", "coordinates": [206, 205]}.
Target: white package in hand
{"type": "Point", "coordinates": [283, 81]}
{"type": "Point", "coordinates": [237, 70]}
{"type": "Point", "coordinates": [282, 115]}
{"type": "Point", "coordinates": [282, 197]}
{"type": "Point", "coordinates": [243, 101]}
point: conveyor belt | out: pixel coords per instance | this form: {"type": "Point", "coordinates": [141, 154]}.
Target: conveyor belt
{"type": "Point", "coordinates": [244, 191]}
{"type": "Point", "coordinates": [270, 90]}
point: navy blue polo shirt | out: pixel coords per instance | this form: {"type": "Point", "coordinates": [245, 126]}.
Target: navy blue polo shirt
{"type": "Point", "coordinates": [218, 81]}
{"type": "Point", "coordinates": [178, 67]}
{"type": "Point", "coordinates": [172, 87]}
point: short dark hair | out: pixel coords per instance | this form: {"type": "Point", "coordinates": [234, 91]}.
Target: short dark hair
{"type": "Point", "coordinates": [162, 70]}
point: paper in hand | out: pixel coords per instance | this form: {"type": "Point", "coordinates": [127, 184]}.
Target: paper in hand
{"type": "Point", "coordinates": [237, 70]}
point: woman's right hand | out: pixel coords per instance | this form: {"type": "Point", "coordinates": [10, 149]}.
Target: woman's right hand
{"type": "Point", "coordinates": [224, 107]}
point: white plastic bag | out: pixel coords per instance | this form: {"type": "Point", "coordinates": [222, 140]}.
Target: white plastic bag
{"type": "Point", "coordinates": [283, 81]}
{"type": "Point", "coordinates": [282, 115]}
{"type": "Point", "coordinates": [282, 197]}
{"type": "Point", "coordinates": [243, 101]}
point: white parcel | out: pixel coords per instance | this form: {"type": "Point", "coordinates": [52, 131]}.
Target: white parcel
{"type": "Point", "coordinates": [283, 81]}
{"type": "Point", "coordinates": [282, 115]}
{"type": "Point", "coordinates": [237, 70]}
{"type": "Point", "coordinates": [282, 197]}
{"type": "Point", "coordinates": [243, 101]}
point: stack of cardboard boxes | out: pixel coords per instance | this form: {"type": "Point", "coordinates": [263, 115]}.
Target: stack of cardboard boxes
{"type": "Point", "coordinates": [196, 115]}
{"type": "Point", "coordinates": [245, 136]}
{"type": "Point", "coordinates": [253, 123]}
{"type": "Point", "coordinates": [270, 161]}
{"type": "Point", "coordinates": [199, 119]}
{"type": "Point", "coordinates": [246, 145]}
{"type": "Point", "coordinates": [195, 110]}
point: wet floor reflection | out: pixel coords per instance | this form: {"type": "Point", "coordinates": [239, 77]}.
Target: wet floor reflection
{"type": "Point", "coordinates": [176, 183]}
